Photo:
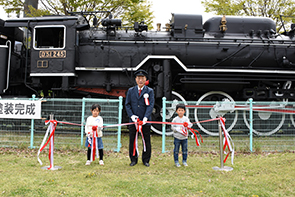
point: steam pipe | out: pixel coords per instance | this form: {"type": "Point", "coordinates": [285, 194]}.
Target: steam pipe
{"type": "Point", "coordinates": [8, 43]}
{"type": "Point", "coordinates": [27, 57]}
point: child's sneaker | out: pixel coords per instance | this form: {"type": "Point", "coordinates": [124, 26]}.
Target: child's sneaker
{"type": "Point", "coordinates": [88, 162]}
{"type": "Point", "coordinates": [101, 162]}
{"type": "Point", "coordinates": [177, 164]}
{"type": "Point", "coordinates": [184, 163]}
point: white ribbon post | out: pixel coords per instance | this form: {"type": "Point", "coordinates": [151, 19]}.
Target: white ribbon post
{"type": "Point", "coordinates": [222, 146]}
{"type": "Point", "coordinates": [49, 129]}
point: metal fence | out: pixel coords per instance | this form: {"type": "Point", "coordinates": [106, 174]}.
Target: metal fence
{"type": "Point", "coordinates": [29, 133]}
{"type": "Point", "coordinates": [253, 126]}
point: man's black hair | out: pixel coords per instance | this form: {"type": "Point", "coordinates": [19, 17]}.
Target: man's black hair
{"type": "Point", "coordinates": [94, 106]}
{"type": "Point", "coordinates": [182, 106]}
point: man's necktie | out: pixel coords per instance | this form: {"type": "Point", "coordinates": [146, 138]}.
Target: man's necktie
{"type": "Point", "coordinates": [139, 92]}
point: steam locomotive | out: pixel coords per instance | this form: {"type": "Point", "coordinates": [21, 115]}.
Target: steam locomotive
{"type": "Point", "coordinates": [66, 56]}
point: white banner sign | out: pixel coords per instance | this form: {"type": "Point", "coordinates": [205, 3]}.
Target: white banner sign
{"type": "Point", "coordinates": [20, 109]}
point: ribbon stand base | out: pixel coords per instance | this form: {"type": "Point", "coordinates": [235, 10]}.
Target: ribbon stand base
{"type": "Point", "coordinates": [222, 167]}
{"type": "Point", "coordinates": [225, 168]}
{"type": "Point", "coordinates": [53, 168]}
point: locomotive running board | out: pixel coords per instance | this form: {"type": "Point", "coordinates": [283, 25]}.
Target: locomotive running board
{"type": "Point", "coordinates": [183, 66]}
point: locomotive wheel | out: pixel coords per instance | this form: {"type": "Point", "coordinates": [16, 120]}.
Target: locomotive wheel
{"type": "Point", "coordinates": [170, 113]}
{"type": "Point", "coordinates": [211, 128]}
{"type": "Point", "coordinates": [265, 123]}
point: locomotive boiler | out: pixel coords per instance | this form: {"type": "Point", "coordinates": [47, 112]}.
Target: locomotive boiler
{"type": "Point", "coordinates": [66, 56]}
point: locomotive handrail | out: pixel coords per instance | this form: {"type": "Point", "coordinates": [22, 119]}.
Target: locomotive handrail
{"type": "Point", "coordinates": [209, 41]}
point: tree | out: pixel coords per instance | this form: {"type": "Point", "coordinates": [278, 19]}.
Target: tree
{"type": "Point", "coordinates": [137, 13]}
{"type": "Point", "coordinates": [129, 10]}
{"type": "Point", "coordinates": [265, 8]}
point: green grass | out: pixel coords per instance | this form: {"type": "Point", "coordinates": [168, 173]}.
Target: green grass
{"type": "Point", "coordinates": [254, 174]}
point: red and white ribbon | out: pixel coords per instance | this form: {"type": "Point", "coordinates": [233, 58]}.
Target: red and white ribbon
{"type": "Point", "coordinates": [53, 123]}
{"type": "Point", "coordinates": [227, 142]}
{"type": "Point", "coordinates": [138, 126]}
{"type": "Point", "coordinates": [185, 132]}
{"type": "Point", "coordinates": [146, 99]}
{"type": "Point", "coordinates": [94, 148]}
{"type": "Point", "coordinates": [196, 138]}
{"type": "Point", "coordinates": [51, 130]}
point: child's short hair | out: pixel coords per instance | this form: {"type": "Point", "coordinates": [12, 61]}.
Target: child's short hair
{"type": "Point", "coordinates": [182, 106]}
{"type": "Point", "coordinates": [94, 106]}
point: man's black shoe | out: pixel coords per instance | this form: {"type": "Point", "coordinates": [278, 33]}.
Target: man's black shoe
{"type": "Point", "coordinates": [132, 163]}
{"type": "Point", "coordinates": [146, 164]}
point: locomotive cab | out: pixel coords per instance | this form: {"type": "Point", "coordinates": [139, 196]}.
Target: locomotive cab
{"type": "Point", "coordinates": [52, 50]}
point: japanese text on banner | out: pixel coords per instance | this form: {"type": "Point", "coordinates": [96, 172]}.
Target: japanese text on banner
{"type": "Point", "coordinates": [20, 109]}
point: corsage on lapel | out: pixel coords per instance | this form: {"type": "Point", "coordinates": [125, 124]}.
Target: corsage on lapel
{"type": "Point", "coordinates": [146, 99]}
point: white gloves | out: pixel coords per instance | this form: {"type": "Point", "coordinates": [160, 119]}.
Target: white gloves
{"type": "Point", "coordinates": [144, 120]}
{"type": "Point", "coordinates": [134, 118]}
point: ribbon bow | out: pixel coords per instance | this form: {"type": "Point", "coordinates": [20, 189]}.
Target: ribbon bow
{"type": "Point", "coordinates": [94, 128]}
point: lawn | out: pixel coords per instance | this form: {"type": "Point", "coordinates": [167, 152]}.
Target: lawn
{"type": "Point", "coordinates": [254, 174]}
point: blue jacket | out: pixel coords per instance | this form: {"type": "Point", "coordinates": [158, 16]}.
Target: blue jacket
{"type": "Point", "coordinates": [135, 104]}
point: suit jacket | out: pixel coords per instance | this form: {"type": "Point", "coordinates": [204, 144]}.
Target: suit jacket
{"type": "Point", "coordinates": [135, 104]}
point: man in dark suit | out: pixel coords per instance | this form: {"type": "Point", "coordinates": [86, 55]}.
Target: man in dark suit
{"type": "Point", "coordinates": [139, 105]}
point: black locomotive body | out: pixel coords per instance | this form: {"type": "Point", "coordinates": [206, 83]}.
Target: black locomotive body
{"type": "Point", "coordinates": [243, 56]}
